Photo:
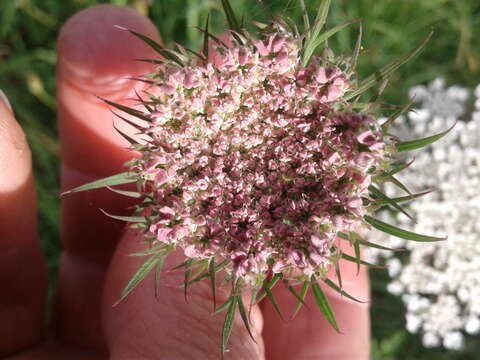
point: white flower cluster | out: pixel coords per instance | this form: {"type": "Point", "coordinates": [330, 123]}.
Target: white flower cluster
{"type": "Point", "coordinates": [439, 282]}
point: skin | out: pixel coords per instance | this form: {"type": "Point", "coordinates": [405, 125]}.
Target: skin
{"type": "Point", "coordinates": [95, 265]}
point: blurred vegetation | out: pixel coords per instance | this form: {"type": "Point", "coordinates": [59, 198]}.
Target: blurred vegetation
{"type": "Point", "coordinates": [28, 30]}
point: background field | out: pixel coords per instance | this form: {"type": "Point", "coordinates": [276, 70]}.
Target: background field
{"type": "Point", "coordinates": [28, 30]}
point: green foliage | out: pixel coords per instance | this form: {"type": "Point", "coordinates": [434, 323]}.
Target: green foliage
{"type": "Point", "coordinates": [420, 143]}
{"type": "Point", "coordinates": [313, 32]}
{"type": "Point", "coordinates": [118, 179]}
{"type": "Point", "coordinates": [141, 273]}
{"type": "Point", "coordinates": [267, 287]}
{"type": "Point", "coordinates": [337, 288]}
{"type": "Point", "coordinates": [300, 297]}
{"type": "Point", "coordinates": [382, 75]}
{"type": "Point", "coordinates": [395, 231]}
{"type": "Point", "coordinates": [323, 304]}
{"type": "Point", "coordinates": [228, 322]}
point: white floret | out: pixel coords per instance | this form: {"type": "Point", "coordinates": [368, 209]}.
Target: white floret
{"type": "Point", "coordinates": [440, 282]}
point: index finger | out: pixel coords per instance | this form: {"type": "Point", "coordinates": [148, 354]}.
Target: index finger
{"type": "Point", "coordinates": [22, 268]}
{"type": "Point", "coordinates": [309, 335]}
{"type": "Point", "coordinates": [94, 59]}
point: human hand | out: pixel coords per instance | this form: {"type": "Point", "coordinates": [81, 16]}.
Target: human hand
{"type": "Point", "coordinates": [95, 58]}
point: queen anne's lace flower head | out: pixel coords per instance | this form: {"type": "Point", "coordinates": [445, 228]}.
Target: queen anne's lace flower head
{"type": "Point", "coordinates": [259, 159]}
{"type": "Point", "coordinates": [249, 160]}
{"type": "Point", "coordinates": [440, 285]}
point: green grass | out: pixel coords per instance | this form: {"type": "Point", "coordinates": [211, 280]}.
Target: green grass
{"type": "Point", "coordinates": [28, 30]}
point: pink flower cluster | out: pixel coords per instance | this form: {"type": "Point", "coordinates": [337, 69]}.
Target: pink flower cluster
{"type": "Point", "coordinates": [251, 159]}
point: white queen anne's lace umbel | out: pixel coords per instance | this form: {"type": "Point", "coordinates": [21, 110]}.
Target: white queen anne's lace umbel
{"type": "Point", "coordinates": [440, 282]}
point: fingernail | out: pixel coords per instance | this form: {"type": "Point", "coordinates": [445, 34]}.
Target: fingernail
{"type": "Point", "coordinates": [4, 100]}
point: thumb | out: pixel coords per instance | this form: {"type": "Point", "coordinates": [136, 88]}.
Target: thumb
{"type": "Point", "coordinates": [165, 326]}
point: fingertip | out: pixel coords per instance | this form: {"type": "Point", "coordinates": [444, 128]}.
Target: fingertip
{"type": "Point", "coordinates": [182, 330]}
{"type": "Point", "coordinates": [97, 59]}
{"type": "Point", "coordinates": [4, 101]}
{"type": "Point", "coordinates": [15, 158]}
{"type": "Point", "coordinates": [22, 268]}
{"type": "Point", "coordinates": [93, 50]}
{"type": "Point", "coordinates": [310, 335]}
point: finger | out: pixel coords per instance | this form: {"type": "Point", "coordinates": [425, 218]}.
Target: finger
{"type": "Point", "coordinates": [165, 326]}
{"type": "Point", "coordinates": [309, 335]}
{"type": "Point", "coordinates": [95, 59]}
{"type": "Point", "coordinates": [22, 268]}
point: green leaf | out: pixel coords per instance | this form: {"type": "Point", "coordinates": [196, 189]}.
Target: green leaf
{"type": "Point", "coordinates": [321, 39]}
{"type": "Point", "coordinates": [186, 280]}
{"type": "Point", "coordinates": [129, 122]}
{"type": "Point", "coordinates": [404, 234]}
{"type": "Point", "coordinates": [381, 88]}
{"type": "Point", "coordinates": [402, 199]}
{"type": "Point", "coordinates": [211, 36]}
{"type": "Point", "coordinates": [231, 19]}
{"type": "Point", "coordinates": [420, 143]}
{"type": "Point", "coordinates": [320, 19]}
{"type": "Point", "coordinates": [223, 307]}
{"type": "Point", "coordinates": [141, 273]}
{"type": "Point", "coordinates": [313, 32]}
{"type": "Point", "coordinates": [123, 178]}
{"type": "Point", "coordinates": [201, 277]}
{"type": "Point", "coordinates": [267, 287]}
{"type": "Point", "coordinates": [377, 193]}
{"type": "Point", "coordinates": [253, 299]}
{"type": "Point", "coordinates": [141, 100]}
{"type": "Point", "coordinates": [243, 314]}
{"type": "Point", "coordinates": [335, 287]}
{"type": "Point", "coordinates": [358, 256]}
{"type": "Point", "coordinates": [270, 284]}
{"type": "Point", "coordinates": [376, 246]}
{"type": "Point", "coordinates": [128, 110]}
{"type": "Point", "coordinates": [362, 262]}
{"type": "Point", "coordinates": [187, 263]}
{"type": "Point", "coordinates": [205, 37]}
{"type": "Point", "coordinates": [344, 236]}
{"type": "Point", "coordinates": [228, 324]}
{"type": "Point", "coordinates": [323, 304]}
{"type": "Point", "coordinates": [393, 180]}
{"type": "Point", "coordinates": [151, 61]}
{"type": "Point", "coordinates": [158, 271]}
{"type": "Point", "coordinates": [201, 270]}
{"type": "Point", "coordinates": [397, 183]}
{"type": "Point", "coordinates": [156, 250]}
{"type": "Point", "coordinates": [132, 219]}
{"type": "Point", "coordinates": [358, 47]}
{"type": "Point", "coordinates": [226, 279]}
{"type": "Point", "coordinates": [387, 70]}
{"type": "Point", "coordinates": [396, 115]}
{"type": "Point", "coordinates": [213, 284]}
{"type": "Point", "coordinates": [300, 297]}
{"type": "Point", "coordinates": [273, 300]}
{"type": "Point", "coordinates": [197, 54]}
{"type": "Point", "coordinates": [396, 170]}
{"type": "Point", "coordinates": [127, 137]}
{"type": "Point", "coordinates": [131, 194]}
{"type": "Point", "coordinates": [167, 54]}
{"type": "Point", "coordinates": [306, 20]}
{"type": "Point", "coordinates": [338, 273]}
{"type": "Point", "coordinates": [146, 81]}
